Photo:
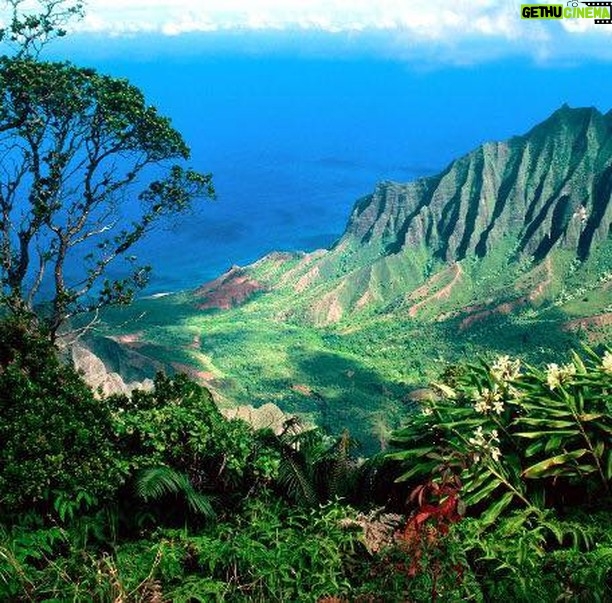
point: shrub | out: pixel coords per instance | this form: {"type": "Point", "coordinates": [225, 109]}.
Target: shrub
{"type": "Point", "coordinates": [56, 436]}
{"type": "Point", "coordinates": [529, 450]}
{"type": "Point", "coordinates": [175, 442]}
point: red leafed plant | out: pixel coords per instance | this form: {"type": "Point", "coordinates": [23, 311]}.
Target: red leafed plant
{"type": "Point", "coordinates": [424, 537]}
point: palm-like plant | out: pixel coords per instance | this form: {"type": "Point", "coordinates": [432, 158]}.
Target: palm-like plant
{"type": "Point", "coordinates": [568, 422]}
{"type": "Point", "coordinates": [314, 467]}
{"type": "Point", "coordinates": [155, 483]}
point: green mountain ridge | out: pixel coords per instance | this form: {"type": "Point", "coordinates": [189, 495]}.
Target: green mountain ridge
{"type": "Point", "coordinates": [507, 251]}
{"type": "Point", "coordinates": [519, 201]}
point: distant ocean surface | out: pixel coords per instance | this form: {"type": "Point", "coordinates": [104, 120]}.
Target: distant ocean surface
{"type": "Point", "coordinates": [294, 141]}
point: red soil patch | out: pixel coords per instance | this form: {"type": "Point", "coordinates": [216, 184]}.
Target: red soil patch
{"type": "Point", "coordinates": [600, 320]}
{"type": "Point", "coordinates": [539, 290]}
{"type": "Point", "coordinates": [441, 294]}
{"type": "Point", "coordinates": [425, 290]}
{"type": "Point", "coordinates": [229, 290]}
{"type": "Point", "coordinates": [503, 309]}
{"type": "Point", "coordinates": [302, 389]}
{"type": "Point", "coordinates": [507, 307]}
{"type": "Point", "coordinates": [193, 373]}
{"type": "Point", "coordinates": [129, 340]}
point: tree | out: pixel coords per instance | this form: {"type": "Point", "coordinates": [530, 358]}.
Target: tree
{"type": "Point", "coordinates": [86, 169]}
{"type": "Point", "coordinates": [32, 24]}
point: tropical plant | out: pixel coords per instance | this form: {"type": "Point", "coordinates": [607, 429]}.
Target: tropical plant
{"type": "Point", "coordinates": [568, 422]}
{"type": "Point", "coordinates": [527, 556]}
{"type": "Point", "coordinates": [175, 441]}
{"type": "Point", "coordinates": [527, 438]}
{"type": "Point", "coordinates": [270, 552]}
{"type": "Point", "coordinates": [314, 467]}
{"type": "Point", "coordinates": [155, 483]}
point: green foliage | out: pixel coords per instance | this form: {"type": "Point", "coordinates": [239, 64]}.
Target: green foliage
{"type": "Point", "coordinates": [507, 432]}
{"type": "Point", "coordinates": [35, 24]}
{"type": "Point", "coordinates": [178, 425]}
{"type": "Point", "coordinates": [267, 553]}
{"type": "Point", "coordinates": [532, 534]}
{"type": "Point", "coordinates": [569, 424]}
{"type": "Point", "coordinates": [57, 452]}
{"type": "Point", "coordinates": [159, 481]}
{"type": "Point", "coordinates": [270, 553]}
{"type": "Point", "coordinates": [530, 449]}
{"type": "Point", "coordinates": [314, 468]}
{"type": "Point", "coordinates": [528, 556]}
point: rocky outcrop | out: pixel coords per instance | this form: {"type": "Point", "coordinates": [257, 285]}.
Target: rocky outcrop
{"type": "Point", "coordinates": [106, 382]}
{"type": "Point", "coordinates": [98, 375]}
{"type": "Point", "coordinates": [268, 416]}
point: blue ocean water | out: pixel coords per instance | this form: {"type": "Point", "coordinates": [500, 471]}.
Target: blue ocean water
{"type": "Point", "coordinates": [293, 141]}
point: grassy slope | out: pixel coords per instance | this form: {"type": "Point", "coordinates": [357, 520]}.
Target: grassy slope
{"type": "Point", "coordinates": [357, 374]}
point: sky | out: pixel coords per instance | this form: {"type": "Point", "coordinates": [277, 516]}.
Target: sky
{"type": "Point", "coordinates": [430, 31]}
{"type": "Point", "coordinates": [462, 31]}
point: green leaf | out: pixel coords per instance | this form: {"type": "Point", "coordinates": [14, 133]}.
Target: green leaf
{"type": "Point", "coordinates": [448, 392]}
{"type": "Point", "coordinates": [549, 466]}
{"type": "Point", "coordinates": [418, 469]}
{"type": "Point", "coordinates": [590, 416]}
{"type": "Point", "coordinates": [481, 493]}
{"type": "Point", "coordinates": [599, 449]}
{"type": "Point", "coordinates": [411, 453]}
{"type": "Point", "coordinates": [544, 403]}
{"type": "Point", "coordinates": [533, 448]}
{"type": "Point", "coordinates": [554, 443]}
{"type": "Point", "coordinates": [552, 423]}
{"type": "Point", "coordinates": [157, 482]}
{"type": "Point", "coordinates": [578, 363]}
{"type": "Point", "coordinates": [532, 435]}
{"type": "Point", "coordinates": [603, 427]}
{"type": "Point", "coordinates": [494, 510]}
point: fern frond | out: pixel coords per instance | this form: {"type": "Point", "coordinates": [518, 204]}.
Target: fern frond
{"type": "Point", "coordinates": [156, 482]}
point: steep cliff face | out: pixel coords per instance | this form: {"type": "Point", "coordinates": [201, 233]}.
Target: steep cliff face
{"type": "Point", "coordinates": [518, 201]}
{"type": "Point", "coordinates": [507, 251]}
{"type": "Point", "coordinates": [550, 187]}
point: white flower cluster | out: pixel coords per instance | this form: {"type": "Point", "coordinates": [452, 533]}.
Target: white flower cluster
{"type": "Point", "coordinates": [606, 363]}
{"type": "Point", "coordinates": [505, 369]}
{"type": "Point", "coordinates": [556, 375]}
{"type": "Point", "coordinates": [489, 400]}
{"type": "Point", "coordinates": [485, 444]}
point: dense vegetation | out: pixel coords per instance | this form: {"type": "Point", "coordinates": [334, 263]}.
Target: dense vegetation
{"type": "Point", "coordinates": [498, 487]}
{"type": "Point", "coordinates": [360, 373]}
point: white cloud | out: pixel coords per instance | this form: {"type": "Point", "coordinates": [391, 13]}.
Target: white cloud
{"type": "Point", "coordinates": [427, 19]}
{"type": "Point", "coordinates": [431, 27]}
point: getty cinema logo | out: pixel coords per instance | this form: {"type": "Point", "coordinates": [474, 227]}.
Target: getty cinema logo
{"type": "Point", "coordinates": [600, 11]}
